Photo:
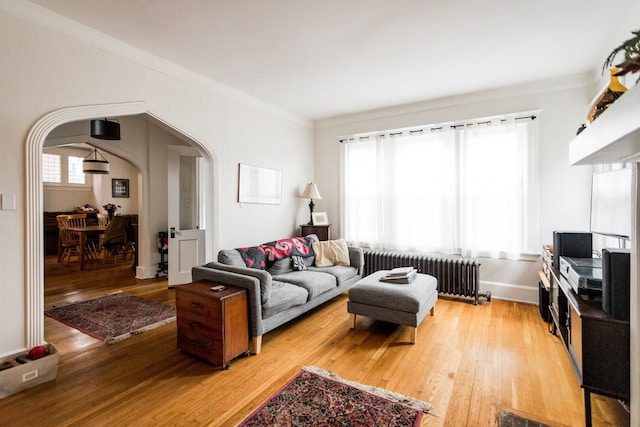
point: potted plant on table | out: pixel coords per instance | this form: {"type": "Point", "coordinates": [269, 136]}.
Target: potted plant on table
{"type": "Point", "coordinates": [111, 209]}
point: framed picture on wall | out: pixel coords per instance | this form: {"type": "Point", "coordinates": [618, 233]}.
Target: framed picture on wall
{"type": "Point", "coordinates": [120, 187]}
{"type": "Point", "coordinates": [259, 185]}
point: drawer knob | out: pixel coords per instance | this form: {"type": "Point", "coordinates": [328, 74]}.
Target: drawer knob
{"type": "Point", "coordinates": [196, 325]}
{"type": "Point", "coordinates": [197, 344]}
{"type": "Point", "coordinates": [196, 304]}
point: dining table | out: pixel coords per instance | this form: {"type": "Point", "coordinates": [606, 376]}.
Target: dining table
{"type": "Point", "coordinates": [83, 232]}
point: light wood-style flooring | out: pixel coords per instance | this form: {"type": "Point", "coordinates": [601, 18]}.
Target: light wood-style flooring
{"type": "Point", "coordinates": [469, 362]}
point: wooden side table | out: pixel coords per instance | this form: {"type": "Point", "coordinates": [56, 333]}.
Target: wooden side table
{"type": "Point", "coordinates": [212, 325]}
{"type": "Point", "coordinates": [322, 231]}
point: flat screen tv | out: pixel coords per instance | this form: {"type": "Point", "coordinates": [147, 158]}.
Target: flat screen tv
{"type": "Point", "coordinates": [611, 203]}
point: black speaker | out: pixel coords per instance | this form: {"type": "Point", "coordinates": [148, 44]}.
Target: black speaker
{"type": "Point", "coordinates": [571, 244]}
{"type": "Point", "coordinates": [616, 277]}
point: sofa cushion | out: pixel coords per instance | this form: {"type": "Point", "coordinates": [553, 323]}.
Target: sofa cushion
{"type": "Point", "coordinates": [331, 252]}
{"type": "Point", "coordinates": [314, 282]}
{"type": "Point", "coordinates": [341, 272]}
{"type": "Point", "coordinates": [283, 296]}
{"type": "Point", "coordinates": [281, 266]}
{"type": "Point", "coordinates": [231, 257]}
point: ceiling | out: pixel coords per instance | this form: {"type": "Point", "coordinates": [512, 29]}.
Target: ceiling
{"type": "Point", "coordinates": [320, 59]}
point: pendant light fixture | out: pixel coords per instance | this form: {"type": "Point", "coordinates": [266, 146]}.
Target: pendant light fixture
{"type": "Point", "coordinates": [104, 129]}
{"type": "Point", "coordinates": [92, 165]}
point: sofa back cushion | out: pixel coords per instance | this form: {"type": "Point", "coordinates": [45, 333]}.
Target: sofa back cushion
{"type": "Point", "coordinates": [281, 266]}
{"type": "Point", "coordinates": [231, 257]}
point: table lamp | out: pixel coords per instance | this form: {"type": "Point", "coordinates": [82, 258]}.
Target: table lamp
{"type": "Point", "coordinates": [311, 192]}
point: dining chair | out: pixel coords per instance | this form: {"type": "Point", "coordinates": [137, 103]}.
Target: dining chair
{"type": "Point", "coordinates": [122, 245]}
{"type": "Point", "coordinates": [103, 221]}
{"type": "Point", "coordinates": [68, 244]}
{"type": "Point", "coordinates": [80, 220]}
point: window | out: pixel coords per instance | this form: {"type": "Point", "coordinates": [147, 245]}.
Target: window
{"type": "Point", "coordinates": [459, 189]}
{"type": "Point", "coordinates": [51, 171]}
{"type": "Point", "coordinates": [74, 171]}
{"type": "Point", "coordinates": [63, 167]}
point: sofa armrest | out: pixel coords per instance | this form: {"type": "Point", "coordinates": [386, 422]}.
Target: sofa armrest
{"type": "Point", "coordinates": [262, 275]}
{"type": "Point", "coordinates": [356, 258]}
{"type": "Point", "coordinates": [250, 283]}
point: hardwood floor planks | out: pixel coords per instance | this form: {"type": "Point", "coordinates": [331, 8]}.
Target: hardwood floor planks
{"type": "Point", "coordinates": [469, 362]}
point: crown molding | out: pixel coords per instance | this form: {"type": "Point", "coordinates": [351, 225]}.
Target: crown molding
{"type": "Point", "coordinates": [59, 24]}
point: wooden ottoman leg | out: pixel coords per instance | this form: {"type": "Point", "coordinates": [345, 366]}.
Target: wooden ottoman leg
{"type": "Point", "coordinates": [414, 334]}
{"type": "Point", "coordinates": [353, 316]}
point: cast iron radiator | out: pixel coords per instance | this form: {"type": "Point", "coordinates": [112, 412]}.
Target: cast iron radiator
{"type": "Point", "coordinates": [456, 276]}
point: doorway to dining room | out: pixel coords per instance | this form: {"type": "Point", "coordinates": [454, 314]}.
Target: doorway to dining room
{"type": "Point", "coordinates": [151, 166]}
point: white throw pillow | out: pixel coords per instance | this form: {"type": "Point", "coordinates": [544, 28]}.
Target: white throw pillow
{"type": "Point", "coordinates": [331, 252]}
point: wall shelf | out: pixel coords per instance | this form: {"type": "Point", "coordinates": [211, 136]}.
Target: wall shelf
{"type": "Point", "coordinates": [614, 137]}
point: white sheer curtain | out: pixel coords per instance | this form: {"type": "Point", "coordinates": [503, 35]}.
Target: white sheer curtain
{"type": "Point", "coordinates": [466, 190]}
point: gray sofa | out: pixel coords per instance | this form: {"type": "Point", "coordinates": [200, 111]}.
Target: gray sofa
{"type": "Point", "coordinates": [278, 290]}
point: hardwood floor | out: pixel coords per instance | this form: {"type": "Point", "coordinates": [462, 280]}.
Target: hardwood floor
{"type": "Point", "coordinates": [469, 362]}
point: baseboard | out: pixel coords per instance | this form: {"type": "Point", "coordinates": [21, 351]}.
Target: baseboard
{"type": "Point", "coordinates": [148, 272]}
{"type": "Point", "coordinates": [511, 292]}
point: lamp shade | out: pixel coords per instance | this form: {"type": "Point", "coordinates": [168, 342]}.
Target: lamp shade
{"type": "Point", "coordinates": [311, 192]}
{"type": "Point", "coordinates": [104, 129]}
{"type": "Point", "coordinates": [92, 165]}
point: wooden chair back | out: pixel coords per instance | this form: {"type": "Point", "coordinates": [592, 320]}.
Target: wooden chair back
{"type": "Point", "coordinates": [77, 220]}
{"type": "Point", "coordinates": [67, 241]}
{"type": "Point", "coordinates": [103, 219]}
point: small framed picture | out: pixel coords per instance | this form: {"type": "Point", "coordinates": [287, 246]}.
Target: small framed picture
{"type": "Point", "coordinates": [320, 218]}
{"type": "Point", "coordinates": [120, 187]}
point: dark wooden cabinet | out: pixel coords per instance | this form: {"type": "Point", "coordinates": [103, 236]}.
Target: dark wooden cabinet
{"type": "Point", "coordinates": [598, 345]}
{"type": "Point", "coordinates": [212, 325]}
{"type": "Point", "coordinates": [322, 231]}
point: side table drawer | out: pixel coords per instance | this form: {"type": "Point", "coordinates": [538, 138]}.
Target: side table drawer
{"type": "Point", "coordinates": [195, 327]}
{"type": "Point", "coordinates": [207, 349]}
{"type": "Point", "coordinates": [198, 308]}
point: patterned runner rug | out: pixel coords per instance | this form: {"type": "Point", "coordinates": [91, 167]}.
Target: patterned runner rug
{"type": "Point", "coordinates": [113, 317]}
{"type": "Point", "coordinates": [317, 397]}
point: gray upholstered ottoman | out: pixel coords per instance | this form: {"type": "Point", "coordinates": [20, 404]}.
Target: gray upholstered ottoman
{"type": "Point", "coordinates": [402, 304]}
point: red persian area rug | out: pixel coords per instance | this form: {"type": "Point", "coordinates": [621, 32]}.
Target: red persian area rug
{"type": "Point", "coordinates": [113, 317]}
{"type": "Point", "coordinates": [317, 397]}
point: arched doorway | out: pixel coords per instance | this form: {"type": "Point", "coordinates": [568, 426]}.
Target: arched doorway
{"type": "Point", "coordinates": [34, 273]}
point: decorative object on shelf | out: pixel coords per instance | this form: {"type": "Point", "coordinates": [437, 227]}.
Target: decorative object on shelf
{"type": "Point", "coordinates": [111, 209]}
{"type": "Point", "coordinates": [607, 97]}
{"type": "Point", "coordinates": [581, 128]}
{"type": "Point", "coordinates": [631, 63]}
{"type": "Point", "coordinates": [95, 165]}
{"type": "Point", "coordinates": [104, 129]}
{"type": "Point", "coordinates": [311, 192]}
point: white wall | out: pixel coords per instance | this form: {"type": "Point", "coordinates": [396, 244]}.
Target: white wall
{"type": "Point", "coordinates": [44, 71]}
{"type": "Point", "coordinates": [564, 191]}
